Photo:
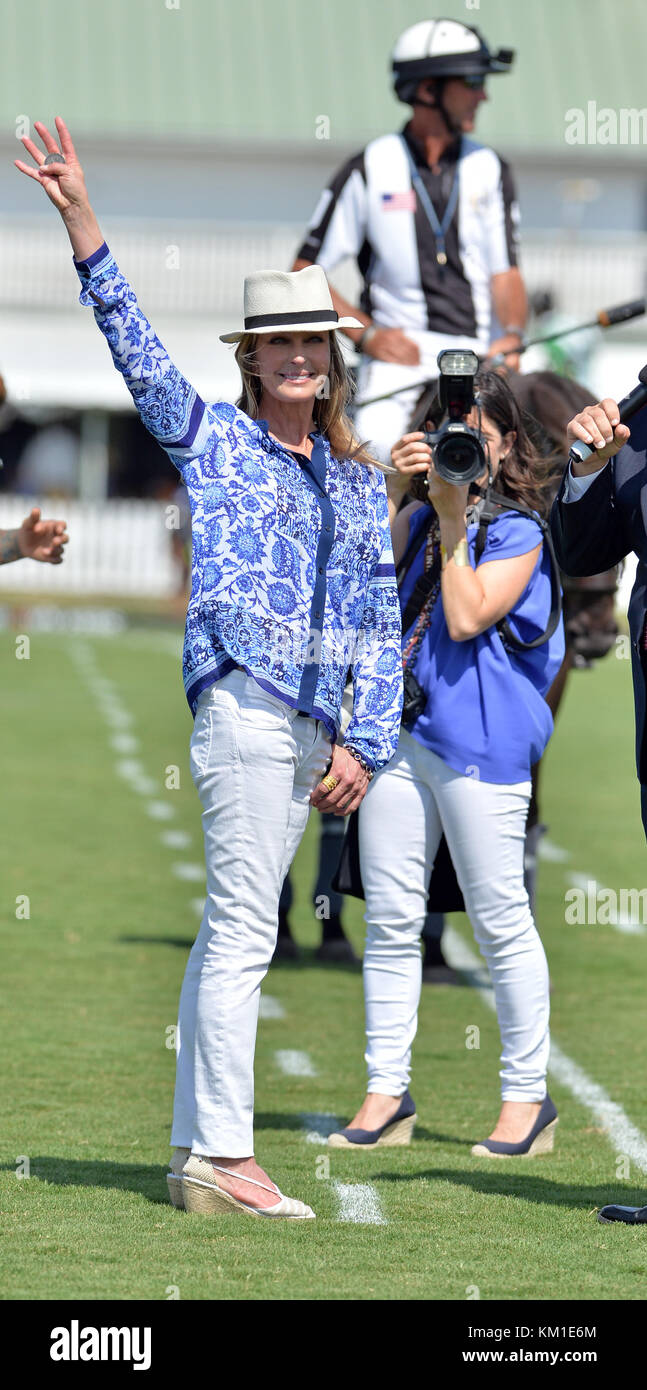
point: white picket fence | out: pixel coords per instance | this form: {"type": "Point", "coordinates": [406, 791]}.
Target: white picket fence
{"type": "Point", "coordinates": [118, 548]}
{"type": "Point", "coordinates": [201, 274]}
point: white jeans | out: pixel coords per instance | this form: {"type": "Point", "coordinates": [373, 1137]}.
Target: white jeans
{"type": "Point", "coordinates": [386, 421]}
{"type": "Point", "coordinates": [254, 762]}
{"type": "Point", "coordinates": [401, 820]}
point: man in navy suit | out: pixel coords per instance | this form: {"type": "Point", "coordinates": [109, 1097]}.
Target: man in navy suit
{"type": "Point", "coordinates": [599, 516]}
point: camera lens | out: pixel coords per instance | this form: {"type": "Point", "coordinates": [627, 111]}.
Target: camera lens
{"type": "Point", "coordinates": [459, 456]}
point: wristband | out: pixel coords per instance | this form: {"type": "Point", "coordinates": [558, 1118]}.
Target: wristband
{"type": "Point", "coordinates": [513, 331]}
{"type": "Point", "coordinates": [365, 337]}
{"type": "Point", "coordinates": [359, 759]}
{"type": "Point", "coordinates": [460, 554]}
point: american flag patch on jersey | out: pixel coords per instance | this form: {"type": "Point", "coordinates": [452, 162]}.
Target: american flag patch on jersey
{"type": "Point", "coordinates": [399, 202]}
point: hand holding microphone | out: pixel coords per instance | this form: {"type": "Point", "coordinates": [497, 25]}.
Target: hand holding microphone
{"type": "Point", "coordinates": [598, 432]}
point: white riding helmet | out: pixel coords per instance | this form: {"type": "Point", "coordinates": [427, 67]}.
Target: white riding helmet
{"type": "Point", "coordinates": [443, 48]}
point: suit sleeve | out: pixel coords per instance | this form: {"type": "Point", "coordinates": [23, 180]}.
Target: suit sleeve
{"type": "Point", "coordinates": [589, 535]}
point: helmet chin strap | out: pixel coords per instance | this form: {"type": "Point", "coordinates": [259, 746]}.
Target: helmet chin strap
{"type": "Point", "coordinates": [453, 127]}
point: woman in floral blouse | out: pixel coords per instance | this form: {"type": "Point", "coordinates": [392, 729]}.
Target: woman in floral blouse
{"type": "Point", "coordinates": [292, 584]}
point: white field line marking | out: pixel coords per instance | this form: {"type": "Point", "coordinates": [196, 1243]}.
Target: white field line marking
{"type": "Point", "coordinates": [160, 810]}
{"type": "Point", "coordinates": [118, 718]}
{"type": "Point", "coordinates": [109, 707]}
{"type": "Point", "coordinates": [176, 839]}
{"type": "Point", "coordinates": [134, 774]}
{"type": "Point", "coordinates": [318, 1126]}
{"type": "Point", "coordinates": [624, 1136]}
{"type": "Point", "coordinates": [295, 1063]}
{"type": "Point", "coordinates": [270, 1007]}
{"type": "Point", "coordinates": [124, 743]}
{"type": "Point", "coordinates": [130, 768]}
{"type": "Point", "coordinates": [106, 699]}
{"type": "Point", "coordinates": [553, 854]}
{"type": "Point", "coordinates": [191, 873]}
{"type": "Point", "coordinates": [99, 685]}
{"type": "Point", "coordinates": [591, 888]}
{"type": "Point", "coordinates": [359, 1202]}
{"type": "Point", "coordinates": [122, 740]}
{"type": "Point", "coordinates": [160, 642]}
{"type": "Point", "coordinates": [621, 1133]}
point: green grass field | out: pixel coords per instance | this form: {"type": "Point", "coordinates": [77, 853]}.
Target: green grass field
{"type": "Point", "coordinates": [90, 984]}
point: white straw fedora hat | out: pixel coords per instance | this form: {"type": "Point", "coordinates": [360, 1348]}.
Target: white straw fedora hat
{"type": "Point", "coordinates": [291, 300]}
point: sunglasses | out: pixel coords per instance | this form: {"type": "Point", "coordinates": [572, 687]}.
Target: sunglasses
{"type": "Point", "coordinates": [475, 83]}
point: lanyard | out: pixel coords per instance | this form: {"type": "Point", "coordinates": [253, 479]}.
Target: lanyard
{"type": "Point", "coordinates": [438, 228]}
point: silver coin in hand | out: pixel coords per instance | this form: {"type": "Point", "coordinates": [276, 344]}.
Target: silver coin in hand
{"type": "Point", "coordinates": [53, 158]}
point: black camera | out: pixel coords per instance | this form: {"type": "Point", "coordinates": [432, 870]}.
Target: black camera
{"type": "Point", "coordinates": [459, 456]}
{"type": "Point", "coordinates": [415, 699]}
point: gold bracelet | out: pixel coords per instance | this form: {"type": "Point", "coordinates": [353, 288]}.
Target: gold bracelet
{"type": "Point", "coordinates": [460, 554]}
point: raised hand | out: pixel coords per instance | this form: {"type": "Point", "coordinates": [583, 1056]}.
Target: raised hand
{"type": "Point", "coordinates": [64, 185]}
{"type": "Point", "coordinates": [63, 181]}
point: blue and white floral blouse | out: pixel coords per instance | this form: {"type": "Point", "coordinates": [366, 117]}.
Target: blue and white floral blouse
{"type": "Point", "coordinates": [293, 574]}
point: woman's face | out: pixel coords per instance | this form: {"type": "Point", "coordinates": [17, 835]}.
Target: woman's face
{"type": "Point", "coordinates": [495, 444]}
{"type": "Point", "coordinates": [293, 366]}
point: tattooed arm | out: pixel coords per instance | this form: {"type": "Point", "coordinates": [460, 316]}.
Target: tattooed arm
{"type": "Point", "coordinates": [34, 540]}
{"type": "Point", "coordinates": [9, 547]}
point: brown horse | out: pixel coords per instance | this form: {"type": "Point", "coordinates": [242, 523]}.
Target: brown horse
{"type": "Point", "coordinates": [549, 401]}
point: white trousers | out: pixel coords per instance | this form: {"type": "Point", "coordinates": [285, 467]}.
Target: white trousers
{"type": "Point", "coordinates": [401, 820]}
{"type": "Point", "coordinates": [386, 421]}
{"type": "Point", "coordinates": [254, 762]}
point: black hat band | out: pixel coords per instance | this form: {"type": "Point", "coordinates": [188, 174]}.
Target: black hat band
{"type": "Point", "coordinates": [300, 316]}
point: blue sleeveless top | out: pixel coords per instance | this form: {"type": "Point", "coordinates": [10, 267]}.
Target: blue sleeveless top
{"type": "Point", "coordinates": [486, 716]}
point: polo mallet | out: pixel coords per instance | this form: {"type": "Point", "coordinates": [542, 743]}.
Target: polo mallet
{"type": "Point", "coordinates": [606, 318]}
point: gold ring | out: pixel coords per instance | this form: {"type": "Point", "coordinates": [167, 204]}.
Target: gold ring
{"type": "Point", "coordinates": [330, 782]}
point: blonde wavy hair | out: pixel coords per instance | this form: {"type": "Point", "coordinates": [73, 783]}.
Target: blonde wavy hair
{"type": "Point", "coordinates": [329, 411]}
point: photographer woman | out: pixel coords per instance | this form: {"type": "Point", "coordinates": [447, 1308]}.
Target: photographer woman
{"type": "Point", "coordinates": [463, 768]}
{"type": "Point", "coordinates": [292, 582]}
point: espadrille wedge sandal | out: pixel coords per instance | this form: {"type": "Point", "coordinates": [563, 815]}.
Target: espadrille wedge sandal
{"type": "Point", "coordinates": [540, 1140]}
{"type": "Point", "coordinates": [203, 1196]}
{"type": "Point", "coordinates": [174, 1177]}
{"type": "Point", "coordinates": [396, 1133]}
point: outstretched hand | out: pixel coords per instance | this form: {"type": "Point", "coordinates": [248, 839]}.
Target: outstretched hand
{"type": "Point", "coordinates": [42, 540]}
{"type": "Point", "coordinates": [63, 181]}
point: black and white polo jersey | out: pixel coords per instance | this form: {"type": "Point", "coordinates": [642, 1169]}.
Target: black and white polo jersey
{"type": "Point", "coordinates": [371, 212]}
